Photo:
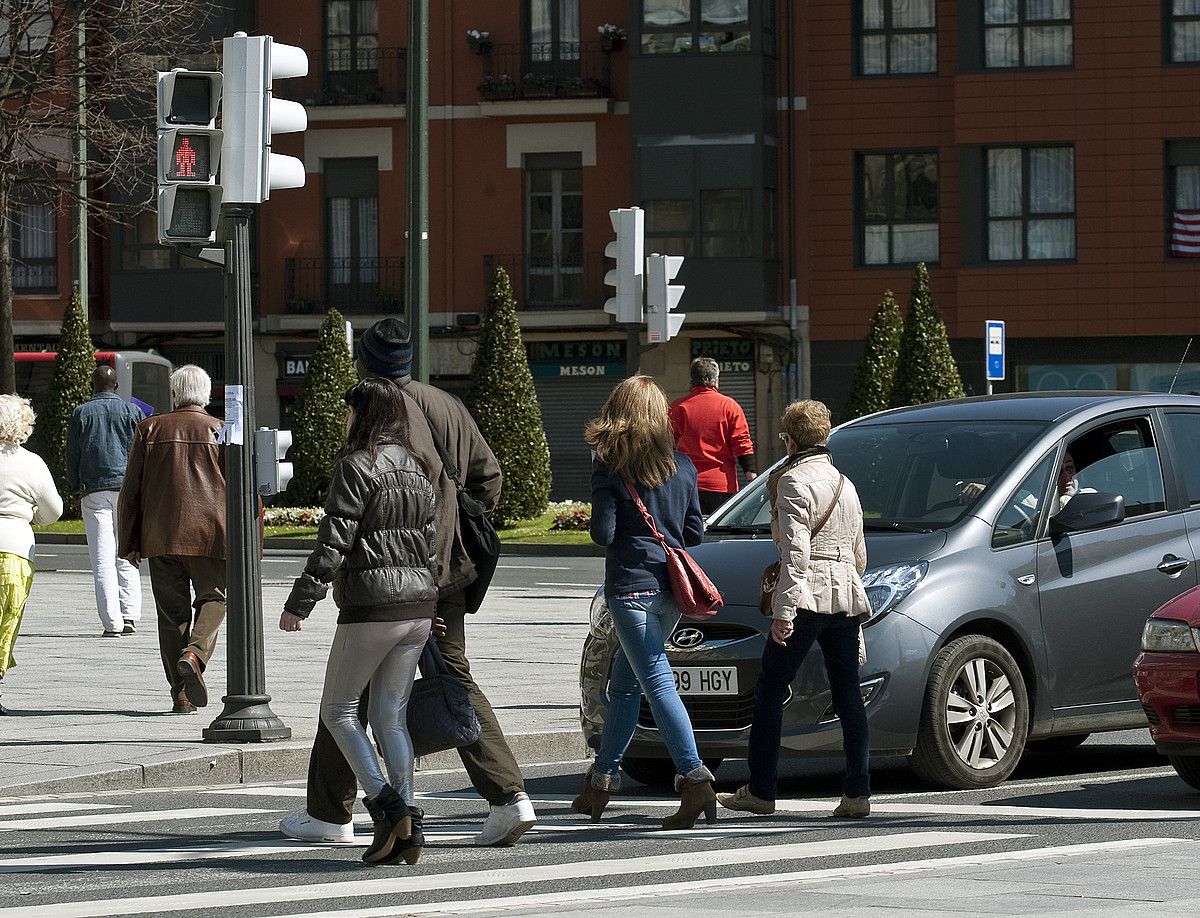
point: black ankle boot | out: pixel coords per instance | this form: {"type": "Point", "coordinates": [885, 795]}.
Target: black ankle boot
{"type": "Point", "coordinates": [409, 849]}
{"type": "Point", "coordinates": [393, 823]}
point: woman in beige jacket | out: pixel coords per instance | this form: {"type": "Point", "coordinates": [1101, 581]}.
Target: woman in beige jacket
{"type": "Point", "coordinates": [817, 525]}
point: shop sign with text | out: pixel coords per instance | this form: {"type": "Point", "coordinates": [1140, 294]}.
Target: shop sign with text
{"type": "Point", "coordinates": [733, 355]}
{"type": "Point", "coordinates": [576, 358]}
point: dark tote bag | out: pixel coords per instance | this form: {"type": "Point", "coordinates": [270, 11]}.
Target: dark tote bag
{"type": "Point", "coordinates": [440, 715]}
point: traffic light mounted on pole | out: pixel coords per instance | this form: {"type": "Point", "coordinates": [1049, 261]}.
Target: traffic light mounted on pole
{"type": "Point", "coordinates": [662, 297]}
{"type": "Point", "coordinates": [626, 278]}
{"type": "Point", "coordinates": [189, 152]}
{"type": "Point", "coordinates": [271, 472]}
{"type": "Point", "coordinates": [252, 115]}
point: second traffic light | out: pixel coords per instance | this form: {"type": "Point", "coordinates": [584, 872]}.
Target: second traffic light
{"type": "Point", "coordinates": [662, 297]}
{"type": "Point", "coordinates": [189, 154]}
{"type": "Point", "coordinates": [626, 278]}
{"type": "Point", "coordinates": [271, 472]}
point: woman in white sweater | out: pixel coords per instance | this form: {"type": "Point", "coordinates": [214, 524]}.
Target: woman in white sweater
{"type": "Point", "coordinates": [27, 495]}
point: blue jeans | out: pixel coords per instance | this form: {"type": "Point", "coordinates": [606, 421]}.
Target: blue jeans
{"type": "Point", "coordinates": [837, 636]}
{"type": "Point", "coordinates": [642, 624]}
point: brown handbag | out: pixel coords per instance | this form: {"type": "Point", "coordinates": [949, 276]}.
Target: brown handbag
{"type": "Point", "coordinates": [770, 576]}
{"type": "Point", "coordinates": [696, 597]}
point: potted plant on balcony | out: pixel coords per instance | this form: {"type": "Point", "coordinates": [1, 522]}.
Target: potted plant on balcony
{"type": "Point", "coordinates": [580, 88]}
{"type": "Point", "coordinates": [495, 87]}
{"type": "Point", "coordinates": [538, 86]}
{"type": "Point", "coordinates": [612, 37]}
{"type": "Point", "coordinates": [479, 42]}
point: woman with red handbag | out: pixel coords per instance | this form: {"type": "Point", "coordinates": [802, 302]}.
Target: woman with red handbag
{"type": "Point", "coordinates": [636, 463]}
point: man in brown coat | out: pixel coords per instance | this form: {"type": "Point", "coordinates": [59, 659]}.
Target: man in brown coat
{"type": "Point", "coordinates": [385, 350]}
{"type": "Point", "coordinates": [172, 512]}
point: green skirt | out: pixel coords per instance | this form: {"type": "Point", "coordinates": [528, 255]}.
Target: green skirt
{"type": "Point", "coordinates": [16, 577]}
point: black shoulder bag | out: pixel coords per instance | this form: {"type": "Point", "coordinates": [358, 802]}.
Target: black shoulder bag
{"type": "Point", "coordinates": [440, 714]}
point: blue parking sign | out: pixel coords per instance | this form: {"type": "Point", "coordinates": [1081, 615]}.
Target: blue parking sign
{"type": "Point", "coordinates": [994, 340]}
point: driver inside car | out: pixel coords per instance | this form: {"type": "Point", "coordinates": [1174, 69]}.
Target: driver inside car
{"type": "Point", "coordinates": [1068, 487]}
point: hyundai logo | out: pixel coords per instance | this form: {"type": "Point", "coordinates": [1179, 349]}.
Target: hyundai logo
{"type": "Point", "coordinates": [687, 638]}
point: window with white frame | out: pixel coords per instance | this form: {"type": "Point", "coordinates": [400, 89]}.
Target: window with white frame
{"type": "Point", "coordinates": [1027, 33]}
{"type": "Point", "coordinates": [897, 37]}
{"type": "Point", "coordinates": [1030, 203]}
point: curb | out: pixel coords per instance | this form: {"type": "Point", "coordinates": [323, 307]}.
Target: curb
{"type": "Point", "coordinates": [259, 764]}
{"type": "Point", "coordinates": [511, 549]}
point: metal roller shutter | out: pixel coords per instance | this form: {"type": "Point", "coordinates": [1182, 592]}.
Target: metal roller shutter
{"type": "Point", "coordinates": [740, 388]}
{"type": "Point", "coordinates": [567, 405]}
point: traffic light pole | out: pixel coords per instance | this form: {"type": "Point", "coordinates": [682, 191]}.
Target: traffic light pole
{"type": "Point", "coordinates": [247, 716]}
{"type": "Point", "coordinates": [416, 261]}
{"type": "Point", "coordinates": [633, 347]}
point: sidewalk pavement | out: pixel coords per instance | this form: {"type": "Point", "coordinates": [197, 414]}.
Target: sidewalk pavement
{"type": "Point", "coordinates": [88, 713]}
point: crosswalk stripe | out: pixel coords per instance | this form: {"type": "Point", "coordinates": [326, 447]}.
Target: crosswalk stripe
{"type": "Point", "coordinates": [258, 791]}
{"type": "Point", "coordinates": [30, 809]}
{"type": "Point", "coordinates": [477, 879]}
{"type": "Point", "coordinates": [108, 860]}
{"type": "Point", "coordinates": [708, 886]}
{"type": "Point", "coordinates": [106, 819]}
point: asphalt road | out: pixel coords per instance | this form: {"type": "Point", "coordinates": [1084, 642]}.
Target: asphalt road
{"type": "Point", "coordinates": [1107, 829]}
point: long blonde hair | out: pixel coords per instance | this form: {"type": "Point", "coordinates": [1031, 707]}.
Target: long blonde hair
{"type": "Point", "coordinates": [633, 433]}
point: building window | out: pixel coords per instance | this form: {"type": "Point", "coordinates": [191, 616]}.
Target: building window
{"type": "Point", "coordinates": [140, 250]}
{"type": "Point", "coordinates": [553, 231]}
{"type": "Point", "coordinates": [1183, 197]}
{"type": "Point", "coordinates": [897, 37]}
{"type": "Point", "coordinates": [351, 43]}
{"type": "Point", "coordinates": [553, 31]}
{"type": "Point", "coordinates": [1030, 203]}
{"type": "Point", "coordinates": [898, 216]}
{"type": "Point", "coordinates": [670, 227]}
{"type": "Point", "coordinates": [352, 231]}
{"type": "Point", "coordinates": [676, 26]}
{"type": "Point", "coordinates": [725, 223]}
{"type": "Point", "coordinates": [1183, 19]}
{"type": "Point", "coordinates": [1027, 33]}
{"type": "Point", "coordinates": [33, 225]}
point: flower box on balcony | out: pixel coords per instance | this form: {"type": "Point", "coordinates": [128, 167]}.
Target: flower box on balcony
{"type": "Point", "coordinates": [581, 88]}
{"type": "Point", "coordinates": [538, 86]}
{"type": "Point", "coordinates": [479, 42]}
{"type": "Point", "coordinates": [495, 88]}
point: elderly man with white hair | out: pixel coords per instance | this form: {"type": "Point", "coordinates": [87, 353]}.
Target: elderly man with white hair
{"type": "Point", "coordinates": [172, 512]}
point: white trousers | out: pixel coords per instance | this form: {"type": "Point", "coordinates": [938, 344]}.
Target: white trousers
{"type": "Point", "coordinates": [118, 583]}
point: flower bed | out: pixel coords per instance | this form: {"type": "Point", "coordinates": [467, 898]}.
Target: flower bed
{"type": "Point", "coordinates": [570, 516]}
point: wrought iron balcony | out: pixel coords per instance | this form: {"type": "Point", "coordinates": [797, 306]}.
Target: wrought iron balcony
{"type": "Point", "coordinates": [540, 283]}
{"type": "Point", "coordinates": [360, 76]}
{"type": "Point", "coordinates": [358, 286]}
{"type": "Point", "coordinates": [546, 70]}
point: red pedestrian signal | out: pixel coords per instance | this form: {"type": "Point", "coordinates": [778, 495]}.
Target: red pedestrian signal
{"type": "Point", "coordinates": [190, 158]}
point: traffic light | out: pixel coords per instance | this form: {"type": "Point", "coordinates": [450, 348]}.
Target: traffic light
{"type": "Point", "coordinates": [271, 473]}
{"type": "Point", "coordinates": [189, 154]}
{"type": "Point", "coordinates": [626, 278]}
{"type": "Point", "coordinates": [252, 115]}
{"type": "Point", "coordinates": [662, 296]}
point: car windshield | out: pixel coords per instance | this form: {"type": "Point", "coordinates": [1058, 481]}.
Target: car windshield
{"type": "Point", "coordinates": [915, 476]}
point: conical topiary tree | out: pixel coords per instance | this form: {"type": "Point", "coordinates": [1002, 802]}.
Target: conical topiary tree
{"type": "Point", "coordinates": [876, 373]}
{"type": "Point", "coordinates": [320, 425]}
{"type": "Point", "coordinates": [926, 371]}
{"type": "Point", "coordinates": [505, 405]}
{"type": "Point", "coordinates": [70, 387]}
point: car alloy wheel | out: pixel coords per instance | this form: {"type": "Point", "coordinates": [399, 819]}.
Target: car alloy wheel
{"type": "Point", "coordinates": [975, 717]}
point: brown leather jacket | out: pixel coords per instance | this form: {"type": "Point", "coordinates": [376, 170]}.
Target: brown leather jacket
{"type": "Point", "coordinates": [173, 499]}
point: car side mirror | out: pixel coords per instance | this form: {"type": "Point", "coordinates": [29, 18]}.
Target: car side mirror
{"type": "Point", "coordinates": [1086, 511]}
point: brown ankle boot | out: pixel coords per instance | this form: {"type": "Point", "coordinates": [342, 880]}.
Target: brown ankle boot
{"type": "Point", "coordinates": [696, 796]}
{"type": "Point", "coordinates": [592, 800]}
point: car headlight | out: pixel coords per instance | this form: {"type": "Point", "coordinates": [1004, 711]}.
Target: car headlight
{"type": "Point", "coordinates": [1165, 635]}
{"type": "Point", "coordinates": [887, 585]}
{"type": "Point", "coordinates": [600, 618]}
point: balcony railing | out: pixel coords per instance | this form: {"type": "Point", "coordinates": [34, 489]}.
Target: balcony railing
{"type": "Point", "coordinates": [548, 70]}
{"type": "Point", "coordinates": [373, 286]}
{"type": "Point", "coordinates": [539, 283]}
{"type": "Point", "coordinates": [374, 76]}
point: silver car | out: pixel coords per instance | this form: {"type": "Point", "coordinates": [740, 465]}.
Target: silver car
{"type": "Point", "coordinates": [1016, 545]}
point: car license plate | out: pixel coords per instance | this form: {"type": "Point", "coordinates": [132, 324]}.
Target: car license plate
{"type": "Point", "coordinates": [705, 680]}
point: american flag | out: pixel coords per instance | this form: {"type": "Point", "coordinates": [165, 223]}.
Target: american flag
{"type": "Point", "coordinates": [1185, 234]}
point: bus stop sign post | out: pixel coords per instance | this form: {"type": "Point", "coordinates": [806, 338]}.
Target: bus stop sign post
{"type": "Point", "coordinates": [994, 351]}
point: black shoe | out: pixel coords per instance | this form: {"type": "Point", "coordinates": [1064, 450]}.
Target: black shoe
{"type": "Point", "coordinates": [394, 833]}
{"type": "Point", "coordinates": [130, 628]}
{"type": "Point", "coordinates": [191, 671]}
{"type": "Point", "coordinates": [108, 633]}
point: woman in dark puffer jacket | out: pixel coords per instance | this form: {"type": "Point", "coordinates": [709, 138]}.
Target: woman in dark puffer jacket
{"type": "Point", "coordinates": [378, 547]}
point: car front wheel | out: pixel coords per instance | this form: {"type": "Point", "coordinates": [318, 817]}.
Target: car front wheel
{"type": "Point", "coordinates": [1188, 767]}
{"type": "Point", "coordinates": [975, 717]}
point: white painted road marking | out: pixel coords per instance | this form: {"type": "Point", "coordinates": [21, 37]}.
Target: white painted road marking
{"type": "Point", "coordinates": [109, 860]}
{"type": "Point", "coordinates": [29, 809]}
{"type": "Point", "coordinates": [478, 879]}
{"type": "Point", "coordinates": [113, 819]}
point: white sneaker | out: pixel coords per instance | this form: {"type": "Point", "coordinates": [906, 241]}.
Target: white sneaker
{"type": "Point", "coordinates": [303, 827]}
{"type": "Point", "coordinates": [506, 824]}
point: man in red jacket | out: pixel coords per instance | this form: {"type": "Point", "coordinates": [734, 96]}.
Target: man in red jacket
{"type": "Point", "coordinates": [711, 430]}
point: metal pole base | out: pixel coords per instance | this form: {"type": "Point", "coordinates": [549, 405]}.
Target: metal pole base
{"type": "Point", "coordinates": [246, 719]}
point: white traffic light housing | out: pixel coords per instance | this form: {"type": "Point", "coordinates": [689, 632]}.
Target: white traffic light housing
{"type": "Point", "coordinates": [189, 154]}
{"type": "Point", "coordinates": [626, 278]}
{"type": "Point", "coordinates": [271, 472]}
{"type": "Point", "coordinates": [251, 115]}
{"type": "Point", "coordinates": [662, 297]}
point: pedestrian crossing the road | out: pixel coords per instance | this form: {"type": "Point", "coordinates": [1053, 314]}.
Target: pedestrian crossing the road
{"type": "Point", "coordinates": [119, 849]}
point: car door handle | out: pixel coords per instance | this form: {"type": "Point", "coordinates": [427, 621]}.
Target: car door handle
{"type": "Point", "coordinates": [1027, 579]}
{"type": "Point", "coordinates": [1172, 564]}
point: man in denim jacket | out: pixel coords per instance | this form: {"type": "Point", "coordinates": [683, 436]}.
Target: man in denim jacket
{"type": "Point", "coordinates": [98, 441]}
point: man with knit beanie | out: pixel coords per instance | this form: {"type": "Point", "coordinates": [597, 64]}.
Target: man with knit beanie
{"type": "Point", "coordinates": [385, 350]}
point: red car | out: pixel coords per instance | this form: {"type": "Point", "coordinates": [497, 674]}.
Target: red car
{"type": "Point", "coordinates": [1167, 673]}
